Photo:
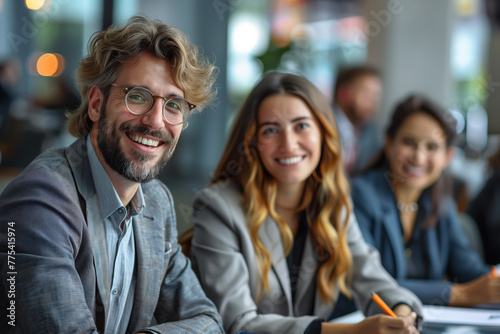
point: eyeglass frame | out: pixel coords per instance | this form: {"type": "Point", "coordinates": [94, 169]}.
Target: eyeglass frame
{"type": "Point", "coordinates": [127, 89]}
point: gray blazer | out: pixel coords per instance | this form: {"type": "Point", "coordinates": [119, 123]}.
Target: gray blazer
{"type": "Point", "coordinates": [57, 256]}
{"type": "Point", "coordinates": [224, 257]}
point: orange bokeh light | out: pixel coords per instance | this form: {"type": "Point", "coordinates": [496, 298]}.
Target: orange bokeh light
{"type": "Point", "coordinates": [47, 64]}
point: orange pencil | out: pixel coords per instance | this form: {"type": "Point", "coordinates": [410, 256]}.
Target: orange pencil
{"type": "Point", "coordinates": [383, 305]}
{"type": "Point", "coordinates": [493, 271]}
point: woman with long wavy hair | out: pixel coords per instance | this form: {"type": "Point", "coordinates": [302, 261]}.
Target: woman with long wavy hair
{"type": "Point", "coordinates": [275, 239]}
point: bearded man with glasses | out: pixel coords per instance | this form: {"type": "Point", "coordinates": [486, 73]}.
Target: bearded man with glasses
{"type": "Point", "coordinates": [95, 233]}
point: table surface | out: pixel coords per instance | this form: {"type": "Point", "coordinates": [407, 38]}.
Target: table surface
{"type": "Point", "coordinates": [429, 327]}
{"type": "Point", "coordinates": [442, 329]}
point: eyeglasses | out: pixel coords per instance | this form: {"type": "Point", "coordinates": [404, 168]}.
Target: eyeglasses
{"type": "Point", "coordinates": [140, 100]}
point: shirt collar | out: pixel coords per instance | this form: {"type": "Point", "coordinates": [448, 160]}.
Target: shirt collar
{"type": "Point", "coordinates": [109, 201]}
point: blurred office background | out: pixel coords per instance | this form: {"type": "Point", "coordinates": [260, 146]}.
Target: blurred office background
{"type": "Point", "coordinates": [444, 49]}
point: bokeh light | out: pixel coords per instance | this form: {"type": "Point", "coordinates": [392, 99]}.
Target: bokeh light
{"type": "Point", "coordinates": [61, 64]}
{"type": "Point", "coordinates": [247, 34]}
{"type": "Point", "coordinates": [50, 65]}
{"type": "Point", "coordinates": [34, 4]}
{"type": "Point", "coordinates": [46, 64]}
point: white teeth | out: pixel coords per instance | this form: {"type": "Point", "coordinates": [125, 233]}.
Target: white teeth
{"type": "Point", "coordinates": [144, 141]}
{"type": "Point", "coordinates": [290, 161]}
{"type": "Point", "coordinates": [415, 170]}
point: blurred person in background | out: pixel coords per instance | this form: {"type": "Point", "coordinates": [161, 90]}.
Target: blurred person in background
{"type": "Point", "coordinates": [95, 233]}
{"type": "Point", "coordinates": [10, 74]}
{"type": "Point", "coordinates": [484, 209]}
{"type": "Point", "coordinates": [62, 100]}
{"type": "Point", "coordinates": [356, 100]}
{"type": "Point", "coordinates": [405, 209]}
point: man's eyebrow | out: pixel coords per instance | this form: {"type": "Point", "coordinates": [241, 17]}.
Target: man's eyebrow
{"type": "Point", "coordinates": [148, 88]}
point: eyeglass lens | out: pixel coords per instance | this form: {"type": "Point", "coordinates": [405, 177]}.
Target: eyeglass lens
{"type": "Point", "coordinates": [139, 101]}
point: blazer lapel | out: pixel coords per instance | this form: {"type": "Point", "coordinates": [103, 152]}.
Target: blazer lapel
{"type": "Point", "coordinates": [391, 222]}
{"type": "Point", "coordinates": [98, 239]}
{"type": "Point", "coordinates": [393, 231]}
{"type": "Point", "coordinates": [432, 241]}
{"type": "Point", "coordinates": [78, 160]}
{"type": "Point", "coordinates": [150, 267]}
{"type": "Point", "coordinates": [307, 270]}
{"type": "Point", "coordinates": [270, 237]}
{"type": "Point", "coordinates": [307, 277]}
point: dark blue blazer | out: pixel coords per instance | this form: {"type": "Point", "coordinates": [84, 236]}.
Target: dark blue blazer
{"type": "Point", "coordinates": [449, 257]}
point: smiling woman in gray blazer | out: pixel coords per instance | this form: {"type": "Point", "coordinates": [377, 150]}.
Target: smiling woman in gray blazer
{"type": "Point", "coordinates": [274, 237]}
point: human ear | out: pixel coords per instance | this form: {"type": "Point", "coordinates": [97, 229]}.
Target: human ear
{"type": "Point", "coordinates": [96, 100]}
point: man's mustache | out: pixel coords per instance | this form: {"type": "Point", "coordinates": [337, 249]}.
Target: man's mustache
{"type": "Point", "coordinates": [165, 137]}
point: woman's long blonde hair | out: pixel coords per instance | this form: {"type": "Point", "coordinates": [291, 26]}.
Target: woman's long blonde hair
{"type": "Point", "coordinates": [326, 195]}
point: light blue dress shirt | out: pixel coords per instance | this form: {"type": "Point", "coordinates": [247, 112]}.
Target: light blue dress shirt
{"type": "Point", "coordinates": [120, 244]}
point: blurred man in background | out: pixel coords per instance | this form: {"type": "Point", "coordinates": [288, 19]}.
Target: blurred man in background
{"type": "Point", "coordinates": [356, 101]}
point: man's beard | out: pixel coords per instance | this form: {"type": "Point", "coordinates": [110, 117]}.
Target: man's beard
{"type": "Point", "coordinates": [108, 140]}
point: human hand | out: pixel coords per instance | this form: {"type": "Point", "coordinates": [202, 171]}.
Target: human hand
{"type": "Point", "coordinates": [483, 290]}
{"type": "Point", "coordinates": [385, 324]}
{"type": "Point", "coordinates": [402, 310]}
{"type": "Point", "coordinates": [405, 311]}
{"type": "Point", "coordinates": [378, 324]}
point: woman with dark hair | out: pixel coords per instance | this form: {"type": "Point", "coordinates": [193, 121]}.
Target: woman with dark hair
{"type": "Point", "coordinates": [274, 236]}
{"type": "Point", "coordinates": [404, 210]}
